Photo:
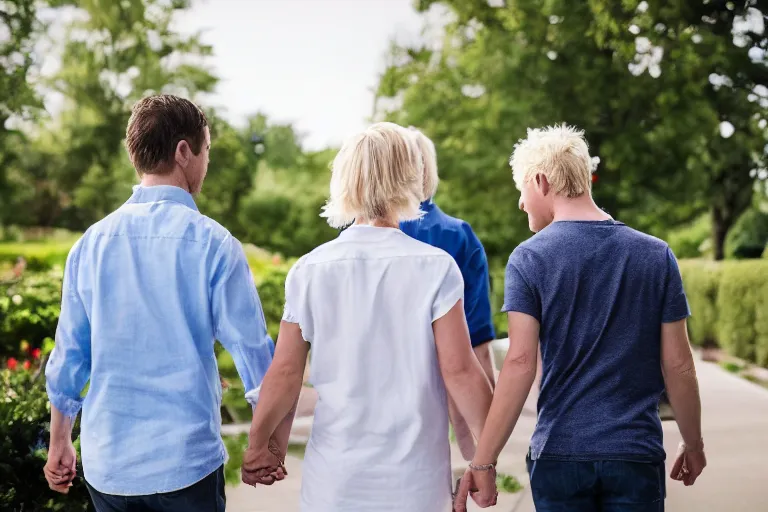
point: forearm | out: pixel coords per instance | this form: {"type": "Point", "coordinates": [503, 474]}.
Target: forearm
{"type": "Point", "coordinates": [282, 433]}
{"type": "Point", "coordinates": [464, 437]}
{"type": "Point", "coordinates": [472, 395]}
{"type": "Point", "coordinates": [279, 394]}
{"type": "Point", "coordinates": [683, 392]}
{"type": "Point", "coordinates": [512, 388]}
{"type": "Point", "coordinates": [485, 356]}
{"type": "Point", "coordinates": [61, 427]}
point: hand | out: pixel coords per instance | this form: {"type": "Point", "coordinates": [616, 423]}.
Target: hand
{"type": "Point", "coordinates": [689, 463]}
{"type": "Point", "coordinates": [481, 485]}
{"type": "Point", "coordinates": [60, 468]}
{"type": "Point", "coordinates": [263, 465]}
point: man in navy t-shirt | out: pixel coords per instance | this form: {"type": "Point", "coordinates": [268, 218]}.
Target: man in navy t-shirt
{"type": "Point", "coordinates": [456, 237]}
{"type": "Point", "coordinates": [607, 304]}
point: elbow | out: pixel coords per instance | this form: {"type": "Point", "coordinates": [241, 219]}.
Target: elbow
{"type": "Point", "coordinates": [521, 364]}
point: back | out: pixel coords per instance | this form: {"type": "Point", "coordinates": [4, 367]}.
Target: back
{"type": "Point", "coordinates": [366, 303]}
{"type": "Point", "coordinates": [601, 291]}
{"type": "Point", "coordinates": [147, 291]}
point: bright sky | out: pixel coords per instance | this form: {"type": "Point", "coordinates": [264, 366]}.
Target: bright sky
{"type": "Point", "coordinates": [314, 63]}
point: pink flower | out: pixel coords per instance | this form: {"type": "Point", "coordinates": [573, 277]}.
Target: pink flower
{"type": "Point", "coordinates": [12, 363]}
{"type": "Point", "coordinates": [36, 353]}
{"type": "Point", "coordinates": [27, 365]}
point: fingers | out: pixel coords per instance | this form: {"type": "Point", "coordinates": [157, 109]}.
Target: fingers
{"type": "Point", "coordinates": [460, 502]}
{"type": "Point", "coordinates": [263, 476]}
{"type": "Point", "coordinates": [677, 468]}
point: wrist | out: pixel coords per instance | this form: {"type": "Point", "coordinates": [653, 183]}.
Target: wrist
{"type": "Point", "coordinates": [694, 446]}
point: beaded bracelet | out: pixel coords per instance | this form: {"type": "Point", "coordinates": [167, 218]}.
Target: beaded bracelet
{"type": "Point", "coordinates": [482, 467]}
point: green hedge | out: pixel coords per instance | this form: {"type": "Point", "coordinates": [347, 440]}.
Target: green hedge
{"type": "Point", "coordinates": [729, 306]}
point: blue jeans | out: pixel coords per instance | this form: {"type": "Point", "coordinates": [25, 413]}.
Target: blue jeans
{"type": "Point", "coordinates": [207, 495]}
{"type": "Point", "coordinates": [597, 486]}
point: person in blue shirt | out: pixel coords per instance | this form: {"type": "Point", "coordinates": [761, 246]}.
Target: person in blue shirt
{"type": "Point", "coordinates": [146, 292]}
{"type": "Point", "coordinates": [607, 305]}
{"type": "Point", "coordinates": [457, 238]}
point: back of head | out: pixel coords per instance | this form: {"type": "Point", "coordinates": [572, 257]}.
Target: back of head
{"type": "Point", "coordinates": [428, 156]}
{"type": "Point", "coordinates": [559, 153]}
{"type": "Point", "coordinates": [155, 128]}
{"type": "Point", "coordinates": [376, 176]}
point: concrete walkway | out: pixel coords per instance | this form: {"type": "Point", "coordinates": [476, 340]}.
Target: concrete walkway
{"type": "Point", "coordinates": [735, 434]}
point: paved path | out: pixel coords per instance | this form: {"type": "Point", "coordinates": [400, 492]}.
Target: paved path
{"type": "Point", "coordinates": [735, 433]}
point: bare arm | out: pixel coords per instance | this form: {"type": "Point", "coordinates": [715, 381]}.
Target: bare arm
{"type": "Point", "coordinates": [464, 378]}
{"type": "Point", "coordinates": [680, 379]}
{"type": "Point", "coordinates": [515, 381]}
{"type": "Point", "coordinates": [485, 356]}
{"type": "Point", "coordinates": [280, 389]}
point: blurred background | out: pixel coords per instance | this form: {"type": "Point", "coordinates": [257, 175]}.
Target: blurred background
{"type": "Point", "coordinates": [672, 95]}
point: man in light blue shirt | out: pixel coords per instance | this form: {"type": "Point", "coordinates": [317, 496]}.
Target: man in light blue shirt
{"type": "Point", "coordinates": [146, 292]}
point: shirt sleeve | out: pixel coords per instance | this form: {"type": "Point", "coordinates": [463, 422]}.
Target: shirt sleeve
{"type": "Point", "coordinates": [519, 294]}
{"type": "Point", "coordinates": [238, 318]}
{"type": "Point", "coordinates": [675, 302]}
{"type": "Point", "coordinates": [450, 291]}
{"type": "Point", "coordinates": [69, 366]}
{"type": "Point", "coordinates": [477, 303]}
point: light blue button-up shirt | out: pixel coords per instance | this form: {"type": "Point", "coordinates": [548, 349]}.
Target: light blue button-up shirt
{"type": "Point", "coordinates": [146, 291]}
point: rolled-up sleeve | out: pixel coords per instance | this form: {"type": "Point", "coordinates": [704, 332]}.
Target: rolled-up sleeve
{"type": "Point", "coordinates": [69, 367]}
{"type": "Point", "coordinates": [238, 317]}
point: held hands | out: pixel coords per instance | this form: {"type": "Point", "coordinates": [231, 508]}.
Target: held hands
{"type": "Point", "coordinates": [478, 482]}
{"type": "Point", "coordinates": [689, 463]}
{"type": "Point", "coordinates": [263, 465]}
{"type": "Point", "coordinates": [60, 468]}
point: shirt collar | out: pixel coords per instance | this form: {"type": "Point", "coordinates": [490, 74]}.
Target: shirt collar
{"type": "Point", "coordinates": [157, 193]}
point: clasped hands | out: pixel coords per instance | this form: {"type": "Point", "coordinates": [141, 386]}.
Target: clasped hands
{"type": "Point", "coordinates": [263, 465]}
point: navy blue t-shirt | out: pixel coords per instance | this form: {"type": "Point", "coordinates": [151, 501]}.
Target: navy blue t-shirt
{"type": "Point", "coordinates": [456, 237]}
{"type": "Point", "coordinates": [600, 291]}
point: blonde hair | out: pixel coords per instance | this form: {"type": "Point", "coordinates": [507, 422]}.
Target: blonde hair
{"type": "Point", "coordinates": [429, 161]}
{"type": "Point", "coordinates": [375, 175]}
{"type": "Point", "coordinates": [560, 153]}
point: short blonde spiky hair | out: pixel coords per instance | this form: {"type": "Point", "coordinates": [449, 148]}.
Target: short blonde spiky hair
{"type": "Point", "coordinates": [429, 160]}
{"type": "Point", "coordinates": [558, 152]}
{"type": "Point", "coordinates": [375, 175]}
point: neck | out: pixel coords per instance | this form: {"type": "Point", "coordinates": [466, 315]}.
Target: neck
{"type": "Point", "coordinates": [379, 223]}
{"type": "Point", "coordinates": [173, 179]}
{"type": "Point", "coordinates": [578, 208]}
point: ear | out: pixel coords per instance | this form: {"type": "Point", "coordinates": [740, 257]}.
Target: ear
{"type": "Point", "coordinates": [183, 153]}
{"type": "Point", "coordinates": [543, 184]}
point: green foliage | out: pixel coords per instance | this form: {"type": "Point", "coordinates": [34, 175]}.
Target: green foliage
{"type": "Point", "coordinates": [24, 433]}
{"type": "Point", "coordinates": [736, 302]}
{"type": "Point", "coordinates": [729, 305]}
{"type": "Point", "coordinates": [235, 446]}
{"type": "Point", "coordinates": [749, 235]}
{"type": "Point", "coordinates": [508, 483]}
{"type": "Point", "coordinates": [654, 125]}
{"type": "Point", "coordinates": [690, 241]}
{"type": "Point", "coordinates": [497, 299]}
{"type": "Point", "coordinates": [38, 255]}
{"type": "Point", "coordinates": [29, 312]}
{"type": "Point", "coordinates": [702, 281]}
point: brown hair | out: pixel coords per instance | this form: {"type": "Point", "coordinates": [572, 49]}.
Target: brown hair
{"type": "Point", "coordinates": [157, 125]}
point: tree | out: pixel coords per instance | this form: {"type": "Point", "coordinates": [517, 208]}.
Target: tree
{"type": "Point", "coordinates": [715, 52]}
{"type": "Point", "coordinates": [501, 68]}
{"type": "Point", "coordinates": [114, 54]}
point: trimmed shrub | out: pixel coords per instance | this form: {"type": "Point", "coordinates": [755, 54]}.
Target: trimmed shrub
{"type": "Point", "coordinates": [736, 304]}
{"type": "Point", "coordinates": [761, 318]}
{"type": "Point", "coordinates": [702, 280]}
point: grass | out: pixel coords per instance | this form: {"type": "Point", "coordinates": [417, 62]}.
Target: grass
{"type": "Point", "coordinates": [508, 483]}
{"type": "Point", "coordinates": [731, 366]}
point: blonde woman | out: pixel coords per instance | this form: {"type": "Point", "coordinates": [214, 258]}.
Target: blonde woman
{"type": "Point", "coordinates": [384, 317]}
